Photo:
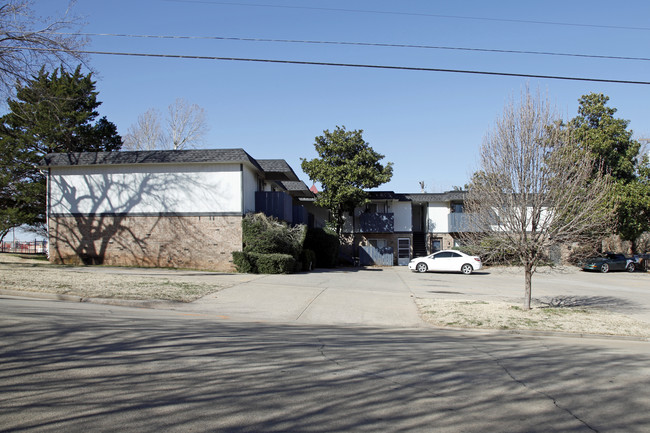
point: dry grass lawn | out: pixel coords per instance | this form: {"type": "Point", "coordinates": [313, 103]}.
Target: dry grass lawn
{"type": "Point", "coordinates": [31, 274]}
{"type": "Point", "coordinates": [502, 315]}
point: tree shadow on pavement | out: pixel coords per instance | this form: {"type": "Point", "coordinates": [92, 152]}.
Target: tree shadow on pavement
{"type": "Point", "coordinates": [610, 303]}
{"type": "Point", "coordinates": [85, 368]}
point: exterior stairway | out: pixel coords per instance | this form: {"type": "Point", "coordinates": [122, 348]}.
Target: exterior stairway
{"type": "Point", "coordinates": [419, 245]}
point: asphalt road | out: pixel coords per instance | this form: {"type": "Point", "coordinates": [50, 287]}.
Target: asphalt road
{"type": "Point", "coordinates": [87, 367]}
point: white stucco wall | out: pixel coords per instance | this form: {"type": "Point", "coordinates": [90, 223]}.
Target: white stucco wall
{"type": "Point", "coordinates": [438, 218]}
{"type": "Point", "coordinates": [250, 187]}
{"type": "Point", "coordinates": [137, 189]}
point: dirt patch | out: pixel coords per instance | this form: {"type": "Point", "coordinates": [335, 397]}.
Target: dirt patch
{"type": "Point", "coordinates": [32, 274]}
{"type": "Point", "coordinates": [503, 315]}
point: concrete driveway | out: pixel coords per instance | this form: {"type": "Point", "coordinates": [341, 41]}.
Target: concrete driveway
{"type": "Point", "coordinates": [385, 296]}
{"type": "Point", "coordinates": [361, 296]}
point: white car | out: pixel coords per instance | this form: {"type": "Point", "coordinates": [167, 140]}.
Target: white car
{"type": "Point", "coordinates": [447, 260]}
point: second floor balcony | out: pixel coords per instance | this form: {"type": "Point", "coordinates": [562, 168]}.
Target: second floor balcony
{"type": "Point", "coordinates": [376, 222]}
{"type": "Point", "coordinates": [462, 222]}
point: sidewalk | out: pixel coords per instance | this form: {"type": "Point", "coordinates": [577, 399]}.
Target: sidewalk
{"type": "Point", "coordinates": [359, 296]}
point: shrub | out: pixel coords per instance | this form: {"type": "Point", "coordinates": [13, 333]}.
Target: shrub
{"type": "Point", "coordinates": [325, 245]}
{"type": "Point", "coordinates": [267, 235]}
{"type": "Point", "coordinates": [275, 263]}
{"type": "Point", "coordinates": [244, 262]}
{"type": "Point", "coordinates": [307, 259]}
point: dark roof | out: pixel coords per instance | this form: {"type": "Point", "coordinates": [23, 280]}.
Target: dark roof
{"type": "Point", "coordinates": [386, 195]}
{"type": "Point", "coordinates": [277, 169]}
{"type": "Point", "coordinates": [440, 196]}
{"type": "Point", "coordinates": [149, 157]}
{"type": "Point", "coordinates": [296, 188]}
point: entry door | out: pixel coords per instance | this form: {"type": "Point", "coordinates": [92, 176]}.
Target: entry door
{"type": "Point", "coordinates": [436, 244]}
{"type": "Point", "coordinates": [403, 251]}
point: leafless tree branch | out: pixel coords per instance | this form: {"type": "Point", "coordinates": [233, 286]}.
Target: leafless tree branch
{"type": "Point", "coordinates": [29, 42]}
{"type": "Point", "coordinates": [186, 127]}
{"type": "Point", "coordinates": [535, 189]}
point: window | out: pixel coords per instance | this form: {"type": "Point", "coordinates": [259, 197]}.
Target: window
{"type": "Point", "coordinates": [371, 207]}
{"type": "Point", "coordinates": [457, 208]}
{"type": "Point", "coordinates": [403, 248]}
{"type": "Point", "coordinates": [378, 243]}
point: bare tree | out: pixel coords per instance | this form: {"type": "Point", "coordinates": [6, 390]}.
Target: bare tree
{"type": "Point", "coordinates": [28, 42]}
{"type": "Point", "coordinates": [145, 134]}
{"type": "Point", "coordinates": [535, 189]}
{"type": "Point", "coordinates": [185, 123]}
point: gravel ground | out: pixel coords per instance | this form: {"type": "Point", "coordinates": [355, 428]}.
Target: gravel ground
{"type": "Point", "coordinates": [31, 274]}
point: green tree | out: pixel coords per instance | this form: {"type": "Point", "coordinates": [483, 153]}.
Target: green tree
{"type": "Point", "coordinates": [52, 112]}
{"type": "Point", "coordinates": [345, 167]}
{"type": "Point", "coordinates": [609, 140]}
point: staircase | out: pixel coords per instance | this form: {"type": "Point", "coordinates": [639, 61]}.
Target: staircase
{"type": "Point", "coordinates": [419, 244]}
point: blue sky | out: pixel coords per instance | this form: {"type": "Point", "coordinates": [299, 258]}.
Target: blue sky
{"type": "Point", "coordinates": [429, 124]}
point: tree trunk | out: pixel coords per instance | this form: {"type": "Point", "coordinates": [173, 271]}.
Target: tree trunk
{"type": "Point", "coordinates": [528, 275]}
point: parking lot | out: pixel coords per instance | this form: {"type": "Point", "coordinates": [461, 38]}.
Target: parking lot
{"type": "Point", "coordinates": [622, 292]}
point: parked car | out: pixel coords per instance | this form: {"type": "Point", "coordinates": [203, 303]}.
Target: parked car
{"type": "Point", "coordinates": [447, 260]}
{"type": "Point", "coordinates": [611, 262]}
{"type": "Point", "coordinates": [641, 261]}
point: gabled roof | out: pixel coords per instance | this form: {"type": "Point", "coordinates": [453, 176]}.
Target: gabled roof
{"type": "Point", "coordinates": [296, 188]}
{"type": "Point", "coordinates": [149, 157]}
{"type": "Point", "coordinates": [277, 169]}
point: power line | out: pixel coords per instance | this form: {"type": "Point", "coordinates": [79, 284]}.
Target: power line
{"type": "Point", "coordinates": [366, 44]}
{"type": "Point", "coordinates": [347, 65]}
{"type": "Point", "coordinates": [416, 14]}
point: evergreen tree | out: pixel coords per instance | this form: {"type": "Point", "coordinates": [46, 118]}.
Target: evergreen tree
{"type": "Point", "coordinates": [52, 112]}
{"type": "Point", "coordinates": [346, 166]}
{"type": "Point", "coordinates": [609, 140]}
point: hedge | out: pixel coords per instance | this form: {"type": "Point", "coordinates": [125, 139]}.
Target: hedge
{"type": "Point", "coordinates": [244, 263]}
{"type": "Point", "coordinates": [326, 246]}
{"type": "Point", "coordinates": [254, 263]}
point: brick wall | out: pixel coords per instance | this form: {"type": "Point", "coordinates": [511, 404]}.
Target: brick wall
{"type": "Point", "coordinates": [205, 242]}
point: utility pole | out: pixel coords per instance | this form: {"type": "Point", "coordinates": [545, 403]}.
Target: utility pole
{"type": "Point", "coordinates": [645, 141]}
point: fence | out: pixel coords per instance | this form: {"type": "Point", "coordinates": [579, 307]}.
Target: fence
{"type": "Point", "coordinates": [22, 247]}
{"type": "Point", "coordinates": [369, 255]}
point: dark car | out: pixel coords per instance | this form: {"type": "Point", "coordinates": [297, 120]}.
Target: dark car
{"type": "Point", "coordinates": [611, 262]}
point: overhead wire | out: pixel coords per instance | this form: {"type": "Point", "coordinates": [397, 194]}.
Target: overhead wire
{"type": "Point", "coordinates": [416, 14]}
{"type": "Point", "coordinates": [365, 44]}
{"type": "Point", "coordinates": [348, 65]}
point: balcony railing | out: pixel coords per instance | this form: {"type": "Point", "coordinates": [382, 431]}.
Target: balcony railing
{"type": "Point", "coordinates": [373, 222]}
{"type": "Point", "coordinates": [462, 222]}
{"type": "Point", "coordinates": [274, 203]}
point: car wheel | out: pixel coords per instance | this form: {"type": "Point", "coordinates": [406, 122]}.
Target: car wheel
{"type": "Point", "coordinates": [421, 267]}
{"type": "Point", "coordinates": [466, 269]}
{"type": "Point", "coordinates": [604, 268]}
{"type": "Point", "coordinates": [630, 267]}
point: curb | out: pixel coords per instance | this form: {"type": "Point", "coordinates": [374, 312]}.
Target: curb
{"type": "Point", "coordinates": [135, 303]}
{"type": "Point", "coordinates": [153, 304]}
{"type": "Point", "coordinates": [540, 333]}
